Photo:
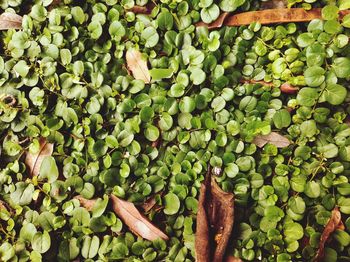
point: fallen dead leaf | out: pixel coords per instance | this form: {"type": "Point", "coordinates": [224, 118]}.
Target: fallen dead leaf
{"type": "Point", "coordinates": [137, 65]}
{"type": "Point", "coordinates": [287, 88]}
{"type": "Point", "coordinates": [149, 204]}
{"type": "Point", "coordinates": [146, 9]}
{"type": "Point", "coordinates": [270, 16]}
{"type": "Point", "coordinates": [333, 224]}
{"type": "Point", "coordinates": [87, 203]}
{"type": "Point", "coordinates": [251, 81]}
{"type": "Point", "coordinates": [10, 21]}
{"type": "Point", "coordinates": [215, 220]}
{"type": "Point", "coordinates": [272, 138]}
{"type": "Point", "coordinates": [233, 259]}
{"type": "Point", "coordinates": [137, 223]}
{"type": "Point", "coordinates": [33, 161]}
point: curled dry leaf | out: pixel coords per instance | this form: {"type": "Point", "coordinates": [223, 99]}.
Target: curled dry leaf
{"type": "Point", "coordinates": [33, 161]}
{"type": "Point", "coordinates": [251, 81]}
{"type": "Point", "coordinates": [272, 138]}
{"type": "Point", "coordinates": [215, 220]}
{"type": "Point", "coordinates": [287, 88]}
{"type": "Point", "coordinates": [137, 223]}
{"type": "Point", "coordinates": [270, 16]}
{"type": "Point", "coordinates": [146, 10]}
{"type": "Point", "coordinates": [10, 21]}
{"type": "Point", "coordinates": [137, 65]}
{"type": "Point", "coordinates": [87, 203]}
{"type": "Point", "coordinates": [333, 224]}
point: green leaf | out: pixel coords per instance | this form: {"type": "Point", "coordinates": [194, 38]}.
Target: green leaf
{"type": "Point", "coordinates": [346, 20]}
{"type": "Point", "coordinates": [172, 204]}
{"type": "Point", "coordinates": [341, 66]}
{"type": "Point", "coordinates": [125, 138]}
{"type": "Point", "coordinates": [231, 170]}
{"type": "Point", "coordinates": [27, 232]}
{"type": "Point", "coordinates": [330, 12]}
{"type": "Point", "coordinates": [165, 20]}
{"type": "Point", "coordinates": [335, 94]}
{"type": "Point", "coordinates": [197, 76]}
{"type": "Point", "coordinates": [151, 133]}
{"type": "Point", "coordinates": [66, 56]}
{"type": "Point", "coordinates": [150, 36]}
{"type": "Point", "coordinates": [230, 5]}
{"type": "Point", "coordinates": [210, 14]}
{"type": "Point", "coordinates": [78, 14]}
{"type": "Point", "coordinates": [90, 247]}
{"type": "Point", "coordinates": [116, 30]}
{"type": "Point", "coordinates": [48, 169]}
{"type": "Point", "coordinates": [41, 242]}
{"type": "Point", "coordinates": [95, 29]}
{"type": "Point", "coordinates": [160, 73]}
{"type": "Point", "coordinates": [282, 119]}
{"type": "Point", "coordinates": [314, 76]}
{"type": "Point", "coordinates": [21, 68]}
{"type": "Point", "coordinates": [100, 206]}
{"type": "Point", "coordinates": [293, 231]}
{"type": "Point", "coordinates": [23, 194]}
{"type": "Point", "coordinates": [307, 96]}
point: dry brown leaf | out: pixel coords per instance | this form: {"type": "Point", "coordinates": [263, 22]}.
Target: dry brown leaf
{"type": "Point", "coordinates": [10, 21]}
{"type": "Point", "coordinates": [250, 81]}
{"type": "Point", "coordinates": [87, 203]}
{"type": "Point", "coordinates": [146, 10]}
{"type": "Point", "coordinates": [333, 224]}
{"type": "Point", "coordinates": [149, 204]}
{"type": "Point", "coordinates": [33, 161]}
{"type": "Point", "coordinates": [215, 220]}
{"type": "Point", "coordinates": [272, 138]}
{"type": "Point", "coordinates": [137, 65]}
{"type": "Point", "coordinates": [287, 88]}
{"type": "Point", "coordinates": [137, 223]}
{"type": "Point", "coordinates": [233, 259]}
{"type": "Point", "coordinates": [271, 16]}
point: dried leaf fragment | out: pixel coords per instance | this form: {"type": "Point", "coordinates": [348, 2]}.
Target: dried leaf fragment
{"type": "Point", "coordinates": [233, 259]}
{"type": "Point", "coordinates": [333, 224]}
{"type": "Point", "coordinates": [273, 138]}
{"type": "Point", "coordinates": [287, 88]}
{"type": "Point", "coordinates": [146, 9]}
{"type": "Point", "coordinates": [87, 203]}
{"type": "Point", "coordinates": [251, 81]}
{"type": "Point", "coordinates": [33, 161]}
{"type": "Point", "coordinates": [10, 21]}
{"type": "Point", "coordinates": [137, 223]}
{"type": "Point", "coordinates": [215, 220]}
{"type": "Point", "coordinates": [137, 65]}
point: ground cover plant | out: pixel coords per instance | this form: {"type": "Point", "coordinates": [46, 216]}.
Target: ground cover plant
{"type": "Point", "coordinates": [125, 128]}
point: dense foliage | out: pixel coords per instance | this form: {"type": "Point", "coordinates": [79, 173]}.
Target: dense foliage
{"type": "Point", "coordinates": [64, 80]}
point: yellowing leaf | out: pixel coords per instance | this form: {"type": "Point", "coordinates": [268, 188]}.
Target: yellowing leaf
{"type": "Point", "coordinates": [135, 220]}
{"type": "Point", "coordinates": [33, 161]}
{"type": "Point", "coordinates": [137, 65]}
{"type": "Point", "coordinates": [272, 138]}
{"type": "Point", "coordinates": [10, 21]}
